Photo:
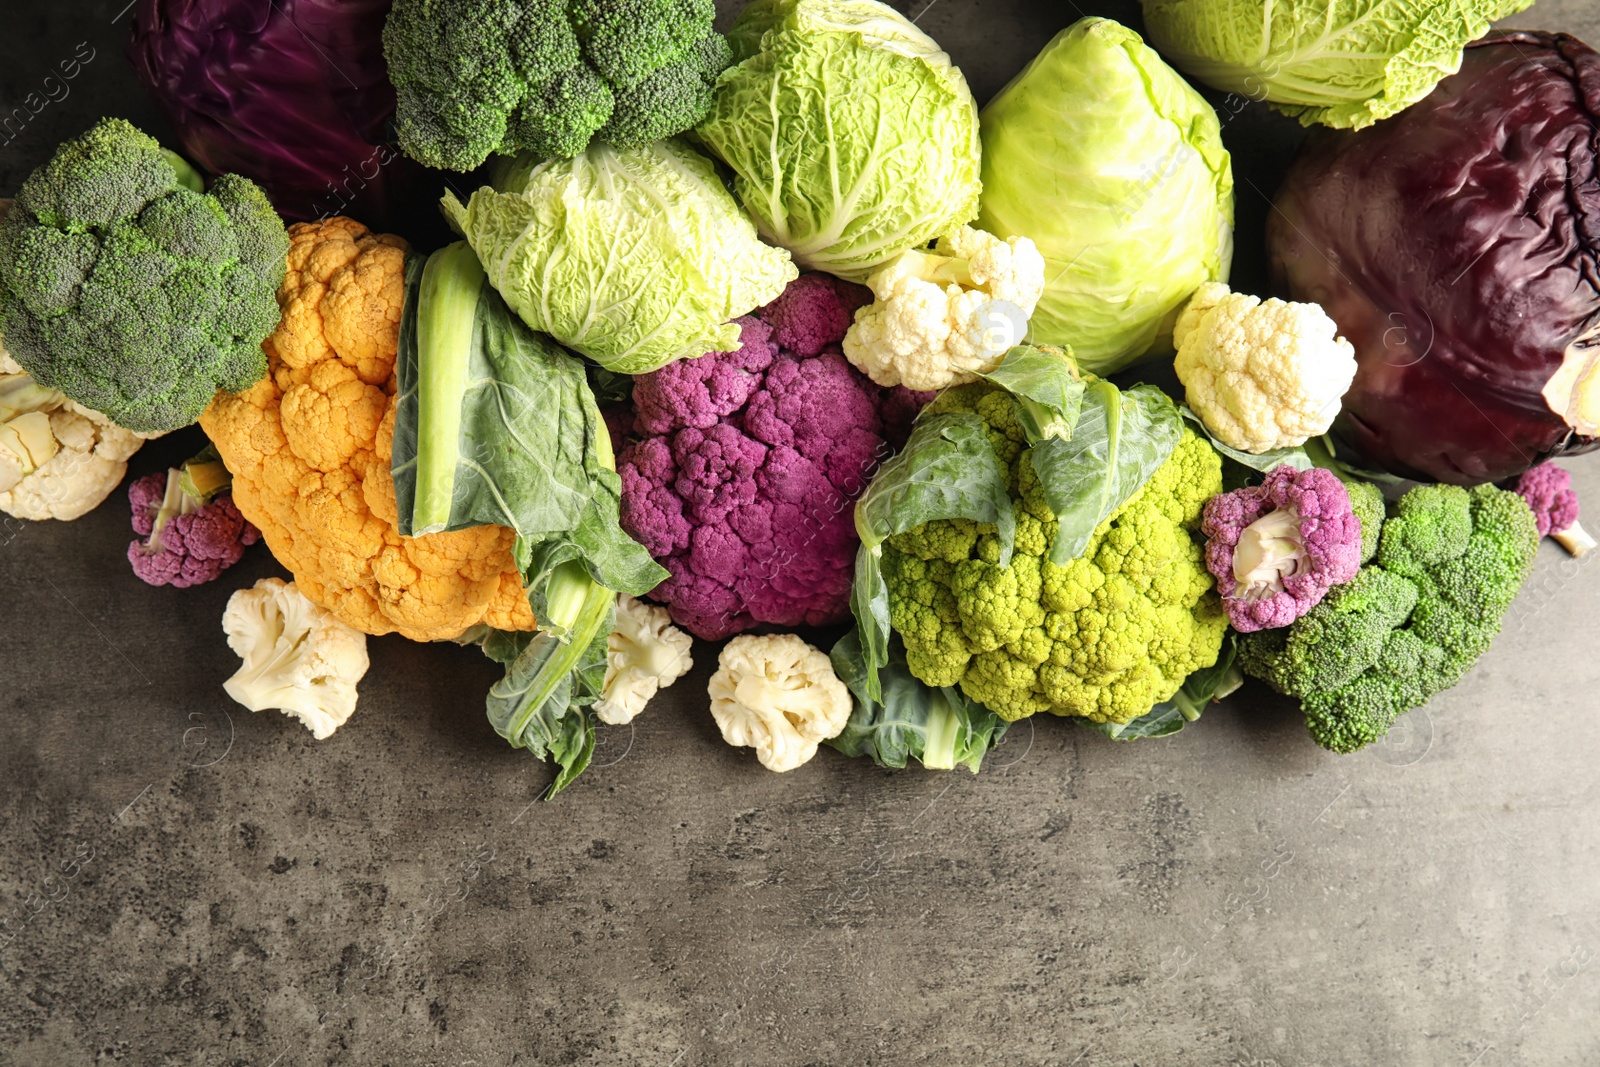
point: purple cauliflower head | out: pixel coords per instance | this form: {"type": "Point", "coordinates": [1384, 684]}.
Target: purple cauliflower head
{"type": "Point", "coordinates": [1548, 490]}
{"type": "Point", "coordinates": [815, 311]}
{"type": "Point", "coordinates": [700, 392]}
{"type": "Point", "coordinates": [743, 469]}
{"type": "Point", "coordinates": [188, 539]}
{"type": "Point", "coordinates": [1278, 547]}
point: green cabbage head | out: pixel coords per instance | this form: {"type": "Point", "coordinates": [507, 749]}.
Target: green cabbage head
{"type": "Point", "coordinates": [1343, 63]}
{"type": "Point", "coordinates": [851, 135]}
{"type": "Point", "coordinates": [634, 257]}
{"type": "Point", "coordinates": [1114, 166]}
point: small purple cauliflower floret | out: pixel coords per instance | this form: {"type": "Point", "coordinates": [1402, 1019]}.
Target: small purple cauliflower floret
{"type": "Point", "coordinates": [187, 540]}
{"type": "Point", "coordinates": [699, 392]}
{"type": "Point", "coordinates": [815, 311]}
{"type": "Point", "coordinates": [743, 468]}
{"type": "Point", "coordinates": [1278, 547]}
{"type": "Point", "coordinates": [1548, 490]}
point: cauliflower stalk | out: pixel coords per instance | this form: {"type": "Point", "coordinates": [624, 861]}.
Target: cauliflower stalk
{"type": "Point", "coordinates": [1262, 375]}
{"type": "Point", "coordinates": [1107, 636]}
{"type": "Point", "coordinates": [779, 695]}
{"type": "Point", "coordinates": [297, 657]}
{"type": "Point", "coordinates": [58, 459]}
{"type": "Point", "coordinates": [646, 654]}
{"type": "Point", "coordinates": [944, 317]}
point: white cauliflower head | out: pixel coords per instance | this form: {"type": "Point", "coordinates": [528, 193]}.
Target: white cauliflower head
{"type": "Point", "coordinates": [779, 695]}
{"type": "Point", "coordinates": [944, 317]}
{"type": "Point", "coordinates": [297, 657]}
{"type": "Point", "coordinates": [645, 655]}
{"type": "Point", "coordinates": [58, 459]}
{"type": "Point", "coordinates": [1261, 374]}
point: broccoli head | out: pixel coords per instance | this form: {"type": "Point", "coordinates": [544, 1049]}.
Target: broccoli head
{"type": "Point", "coordinates": [479, 77]}
{"type": "Point", "coordinates": [1450, 561]}
{"type": "Point", "coordinates": [1106, 637]}
{"type": "Point", "coordinates": [1366, 500]}
{"type": "Point", "coordinates": [131, 292]}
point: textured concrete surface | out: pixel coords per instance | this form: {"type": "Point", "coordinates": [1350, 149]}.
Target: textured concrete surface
{"type": "Point", "coordinates": [186, 883]}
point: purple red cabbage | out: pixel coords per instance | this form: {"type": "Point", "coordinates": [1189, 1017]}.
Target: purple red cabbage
{"type": "Point", "coordinates": [1457, 246]}
{"type": "Point", "coordinates": [292, 94]}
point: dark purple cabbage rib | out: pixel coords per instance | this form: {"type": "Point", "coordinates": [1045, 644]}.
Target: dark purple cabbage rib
{"type": "Point", "coordinates": [293, 94]}
{"type": "Point", "coordinates": [1457, 245]}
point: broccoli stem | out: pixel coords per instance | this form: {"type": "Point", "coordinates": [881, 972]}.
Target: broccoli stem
{"type": "Point", "coordinates": [188, 177]}
{"type": "Point", "coordinates": [447, 307]}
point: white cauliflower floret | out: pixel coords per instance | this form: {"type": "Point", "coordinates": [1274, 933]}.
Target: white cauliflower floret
{"type": "Point", "coordinates": [944, 317]}
{"type": "Point", "coordinates": [58, 459]}
{"type": "Point", "coordinates": [297, 657]}
{"type": "Point", "coordinates": [779, 695]}
{"type": "Point", "coordinates": [645, 655]}
{"type": "Point", "coordinates": [1261, 375]}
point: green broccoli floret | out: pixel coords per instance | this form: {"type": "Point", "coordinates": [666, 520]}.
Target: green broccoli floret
{"type": "Point", "coordinates": [1106, 637]}
{"type": "Point", "coordinates": [132, 292]}
{"type": "Point", "coordinates": [479, 77]}
{"type": "Point", "coordinates": [1449, 564]}
{"type": "Point", "coordinates": [1366, 500]}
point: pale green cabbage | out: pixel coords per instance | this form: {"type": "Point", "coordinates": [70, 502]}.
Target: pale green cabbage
{"type": "Point", "coordinates": [634, 257]}
{"type": "Point", "coordinates": [851, 135]}
{"type": "Point", "coordinates": [1115, 168]}
{"type": "Point", "coordinates": [1343, 63]}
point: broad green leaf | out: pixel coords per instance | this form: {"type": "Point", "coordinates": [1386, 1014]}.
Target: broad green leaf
{"type": "Point", "coordinates": [1047, 385]}
{"type": "Point", "coordinates": [941, 728]}
{"type": "Point", "coordinates": [1265, 461]}
{"type": "Point", "coordinates": [947, 470]}
{"type": "Point", "coordinates": [512, 435]}
{"type": "Point", "coordinates": [497, 425]}
{"type": "Point", "coordinates": [1121, 438]}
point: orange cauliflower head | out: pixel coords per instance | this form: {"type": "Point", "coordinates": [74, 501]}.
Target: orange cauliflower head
{"type": "Point", "coordinates": [309, 447]}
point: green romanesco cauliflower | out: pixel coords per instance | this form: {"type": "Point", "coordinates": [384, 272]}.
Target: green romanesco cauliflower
{"type": "Point", "coordinates": [1449, 564]}
{"type": "Point", "coordinates": [1106, 637]}
{"type": "Point", "coordinates": [130, 291]}
{"type": "Point", "coordinates": [478, 77]}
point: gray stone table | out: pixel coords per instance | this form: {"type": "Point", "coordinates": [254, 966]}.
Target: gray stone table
{"type": "Point", "coordinates": [397, 895]}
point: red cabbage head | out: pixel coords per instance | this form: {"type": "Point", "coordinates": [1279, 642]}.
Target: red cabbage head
{"type": "Point", "coordinates": [1457, 246]}
{"type": "Point", "coordinates": [292, 94]}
